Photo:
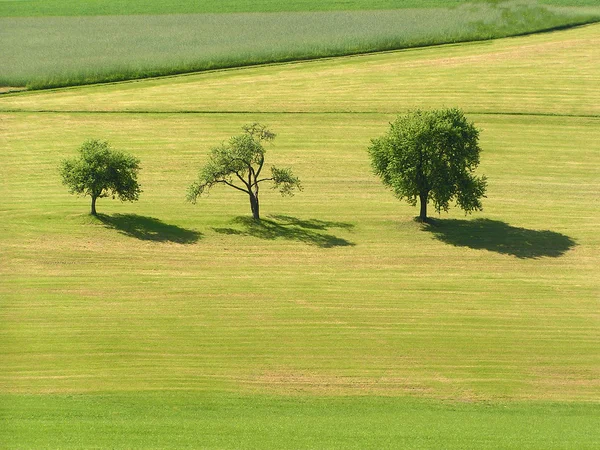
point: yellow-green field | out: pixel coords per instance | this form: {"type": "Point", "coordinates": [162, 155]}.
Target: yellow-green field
{"type": "Point", "coordinates": [340, 322]}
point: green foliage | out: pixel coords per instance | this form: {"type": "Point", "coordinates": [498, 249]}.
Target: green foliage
{"type": "Point", "coordinates": [285, 181]}
{"type": "Point", "coordinates": [100, 171]}
{"type": "Point", "coordinates": [431, 155]}
{"type": "Point", "coordinates": [239, 164]}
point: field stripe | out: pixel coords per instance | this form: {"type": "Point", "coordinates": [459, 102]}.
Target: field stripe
{"type": "Point", "coordinates": [270, 113]}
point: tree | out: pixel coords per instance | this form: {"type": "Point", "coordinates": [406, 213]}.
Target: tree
{"type": "Point", "coordinates": [100, 171]}
{"type": "Point", "coordinates": [239, 164]}
{"type": "Point", "coordinates": [431, 155]}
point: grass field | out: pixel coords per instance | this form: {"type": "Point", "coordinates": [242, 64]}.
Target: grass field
{"type": "Point", "coordinates": [197, 420]}
{"type": "Point", "coordinates": [49, 51]}
{"type": "Point", "coordinates": [29, 8]}
{"type": "Point", "coordinates": [340, 322]}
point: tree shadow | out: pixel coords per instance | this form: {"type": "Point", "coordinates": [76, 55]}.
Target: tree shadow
{"type": "Point", "coordinates": [149, 229]}
{"type": "Point", "coordinates": [291, 228]}
{"type": "Point", "coordinates": [497, 236]}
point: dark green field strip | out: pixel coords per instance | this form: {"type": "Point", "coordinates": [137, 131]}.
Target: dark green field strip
{"type": "Point", "coordinates": [192, 420]}
{"type": "Point", "coordinates": [17, 8]}
{"type": "Point", "coordinates": [14, 8]}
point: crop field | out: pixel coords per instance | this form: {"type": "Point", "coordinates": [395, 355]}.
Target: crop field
{"type": "Point", "coordinates": [24, 8]}
{"type": "Point", "coordinates": [339, 322]}
{"type": "Point", "coordinates": [46, 50]}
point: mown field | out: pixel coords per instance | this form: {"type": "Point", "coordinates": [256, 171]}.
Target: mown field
{"type": "Point", "coordinates": [340, 322]}
{"type": "Point", "coordinates": [50, 44]}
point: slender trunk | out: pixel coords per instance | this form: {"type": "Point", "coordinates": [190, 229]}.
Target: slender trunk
{"type": "Point", "coordinates": [254, 206]}
{"type": "Point", "coordinates": [423, 214]}
{"type": "Point", "coordinates": [94, 213]}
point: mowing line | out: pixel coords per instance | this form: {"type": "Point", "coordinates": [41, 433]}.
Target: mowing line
{"type": "Point", "coordinates": [304, 113]}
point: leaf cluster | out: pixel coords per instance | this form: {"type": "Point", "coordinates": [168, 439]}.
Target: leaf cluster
{"type": "Point", "coordinates": [99, 171]}
{"type": "Point", "coordinates": [431, 155]}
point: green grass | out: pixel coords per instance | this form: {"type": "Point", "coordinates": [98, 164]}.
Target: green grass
{"type": "Point", "coordinates": [380, 306]}
{"type": "Point", "coordinates": [191, 420]}
{"type": "Point", "coordinates": [42, 52]}
{"type": "Point", "coordinates": [12, 8]}
{"type": "Point", "coordinates": [340, 321]}
{"type": "Point", "coordinates": [22, 8]}
{"type": "Point", "coordinates": [487, 77]}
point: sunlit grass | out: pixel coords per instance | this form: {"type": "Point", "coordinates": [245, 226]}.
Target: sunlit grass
{"type": "Point", "coordinates": [340, 321]}
{"type": "Point", "coordinates": [340, 292]}
{"type": "Point", "coordinates": [43, 52]}
{"type": "Point", "coordinates": [192, 420]}
{"type": "Point", "coordinates": [501, 76]}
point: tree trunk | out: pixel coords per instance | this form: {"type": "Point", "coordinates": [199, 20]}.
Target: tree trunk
{"type": "Point", "coordinates": [94, 213]}
{"type": "Point", "coordinates": [423, 213]}
{"type": "Point", "coordinates": [255, 207]}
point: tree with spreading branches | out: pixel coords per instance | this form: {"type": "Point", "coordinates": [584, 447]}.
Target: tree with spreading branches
{"type": "Point", "coordinates": [239, 164]}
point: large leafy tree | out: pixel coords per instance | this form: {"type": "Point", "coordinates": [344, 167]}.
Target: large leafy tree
{"type": "Point", "coordinates": [239, 164]}
{"type": "Point", "coordinates": [99, 171]}
{"type": "Point", "coordinates": [431, 156]}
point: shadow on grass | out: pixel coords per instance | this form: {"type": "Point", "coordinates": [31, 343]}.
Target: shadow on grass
{"type": "Point", "coordinates": [291, 228]}
{"type": "Point", "coordinates": [149, 229]}
{"type": "Point", "coordinates": [497, 236]}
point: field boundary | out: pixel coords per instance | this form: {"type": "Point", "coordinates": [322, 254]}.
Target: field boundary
{"type": "Point", "coordinates": [305, 113]}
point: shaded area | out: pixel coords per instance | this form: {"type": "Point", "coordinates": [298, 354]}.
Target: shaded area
{"type": "Point", "coordinates": [149, 228]}
{"type": "Point", "coordinates": [500, 237]}
{"type": "Point", "coordinates": [308, 231]}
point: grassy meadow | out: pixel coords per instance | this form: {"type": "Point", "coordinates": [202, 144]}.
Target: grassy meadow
{"type": "Point", "coordinates": [339, 322]}
{"type": "Point", "coordinates": [32, 8]}
{"type": "Point", "coordinates": [48, 50]}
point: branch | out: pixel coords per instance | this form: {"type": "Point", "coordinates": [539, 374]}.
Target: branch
{"type": "Point", "coordinates": [260, 166]}
{"type": "Point", "coordinates": [233, 186]}
{"type": "Point", "coordinates": [243, 181]}
{"type": "Point", "coordinates": [261, 180]}
{"type": "Point", "coordinates": [197, 189]}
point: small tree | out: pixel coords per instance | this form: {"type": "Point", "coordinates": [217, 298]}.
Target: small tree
{"type": "Point", "coordinates": [431, 155]}
{"type": "Point", "coordinates": [239, 164]}
{"type": "Point", "coordinates": [100, 171]}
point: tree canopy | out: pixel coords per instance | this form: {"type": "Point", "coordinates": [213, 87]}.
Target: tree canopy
{"type": "Point", "coordinates": [99, 171]}
{"type": "Point", "coordinates": [431, 155]}
{"type": "Point", "coordinates": [239, 164]}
